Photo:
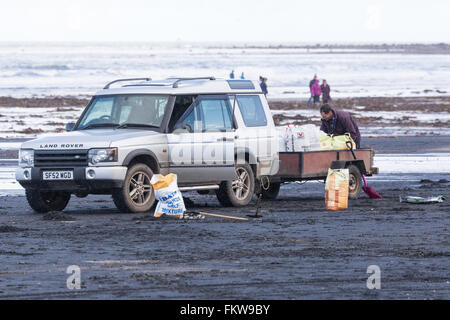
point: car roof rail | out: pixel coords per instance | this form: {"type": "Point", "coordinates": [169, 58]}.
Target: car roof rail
{"type": "Point", "coordinates": [178, 80]}
{"type": "Point", "coordinates": [145, 85]}
{"type": "Point", "coordinates": [129, 79]}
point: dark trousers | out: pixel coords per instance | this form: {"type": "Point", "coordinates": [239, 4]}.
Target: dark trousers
{"type": "Point", "coordinates": [316, 99]}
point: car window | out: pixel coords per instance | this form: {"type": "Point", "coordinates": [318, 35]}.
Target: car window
{"type": "Point", "coordinates": [124, 114]}
{"type": "Point", "coordinates": [208, 114]}
{"type": "Point", "coordinates": [143, 109]}
{"type": "Point", "coordinates": [132, 109]}
{"type": "Point", "coordinates": [193, 121]}
{"type": "Point", "coordinates": [216, 114]}
{"type": "Point", "coordinates": [102, 107]}
{"type": "Point", "coordinates": [182, 103]}
{"type": "Point", "coordinates": [252, 111]}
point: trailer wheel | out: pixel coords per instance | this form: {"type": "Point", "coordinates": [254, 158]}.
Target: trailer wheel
{"type": "Point", "coordinates": [355, 182]}
{"type": "Point", "coordinates": [137, 194]}
{"type": "Point", "coordinates": [239, 192]}
{"type": "Point", "coordinates": [43, 202]}
{"type": "Point", "coordinates": [272, 192]}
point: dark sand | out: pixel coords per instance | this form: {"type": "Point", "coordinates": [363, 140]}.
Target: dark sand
{"type": "Point", "coordinates": [297, 250]}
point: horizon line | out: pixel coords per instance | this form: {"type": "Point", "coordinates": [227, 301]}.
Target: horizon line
{"type": "Point", "coordinates": [267, 42]}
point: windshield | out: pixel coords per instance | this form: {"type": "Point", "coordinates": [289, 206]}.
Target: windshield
{"type": "Point", "coordinates": [125, 111]}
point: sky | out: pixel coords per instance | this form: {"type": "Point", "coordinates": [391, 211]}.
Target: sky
{"type": "Point", "coordinates": [323, 21]}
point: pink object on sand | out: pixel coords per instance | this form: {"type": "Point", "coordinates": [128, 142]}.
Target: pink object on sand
{"type": "Point", "coordinates": [369, 191]}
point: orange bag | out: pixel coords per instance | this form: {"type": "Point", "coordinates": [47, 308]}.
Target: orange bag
{"type": "Point", "coordinates": [336, 189]}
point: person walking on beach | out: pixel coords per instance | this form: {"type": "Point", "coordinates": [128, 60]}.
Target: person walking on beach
{"type": "Point", "coordinates": [316, 92]}
{"type": "Point", "coordinates": [232, 74]}
{"type": "Point", "coordinates": [339, 122]}
{"type": "Point", "coordinates": [310, 90]}
{"type": "Point", "coordinates": [325, 88]}
{"type": "Point", "coordinates": [263, 85]}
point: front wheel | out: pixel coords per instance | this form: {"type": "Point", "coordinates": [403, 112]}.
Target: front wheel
{"type": "Point", "coordinates": [238, 192]}
{"type": "Point", "coordinates": [43, 202]}
{"type": "Point", "coordinates": [137, 194]}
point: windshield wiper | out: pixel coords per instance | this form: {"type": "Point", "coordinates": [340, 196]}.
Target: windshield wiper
{"type": "Point", "coordinates": [140, 125]}
{"type": "Point", "coordinates": [98, 125]}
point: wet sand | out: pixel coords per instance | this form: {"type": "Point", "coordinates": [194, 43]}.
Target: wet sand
{"type": "Point", "coordinates": [419, 104]}
{"type": "Point", "coordinates": [297, 250]}
{"type": "Point", "coordinates": [56, 102]}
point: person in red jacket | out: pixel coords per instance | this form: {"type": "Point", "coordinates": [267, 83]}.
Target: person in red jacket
{"type": "Point", "coordinates": [316, 92]}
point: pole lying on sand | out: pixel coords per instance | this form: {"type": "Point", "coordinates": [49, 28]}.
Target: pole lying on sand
{"type": "Point", "coordinates": [222, 216]}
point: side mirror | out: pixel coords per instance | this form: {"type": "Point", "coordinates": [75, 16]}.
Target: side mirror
{"type": "Point", "coordinates": [70, 126]}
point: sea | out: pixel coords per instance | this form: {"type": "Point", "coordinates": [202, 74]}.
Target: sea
{"type": "Point", "coordinates": [35, 69]}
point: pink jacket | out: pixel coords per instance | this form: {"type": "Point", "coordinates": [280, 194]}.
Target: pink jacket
{"type": "Point", "coordinates": [315, 89]}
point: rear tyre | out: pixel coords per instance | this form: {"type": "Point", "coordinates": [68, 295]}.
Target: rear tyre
{"type": "Point", "coordinates": [43, 202]}
{"type": "Point", "coordinates": [239, 192]}
{"type": "Point", "coordinates": [137, 194]}
{"type": "Point", "coordinates": [272, 192]}
{"type": "Point", "coordinates": [355, 182]}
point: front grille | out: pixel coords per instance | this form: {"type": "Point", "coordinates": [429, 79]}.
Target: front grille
{"type": "Point", "coordinates": [61, 158]}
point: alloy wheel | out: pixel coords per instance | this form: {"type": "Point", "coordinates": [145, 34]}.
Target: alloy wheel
{"type": "Point", "coordinates": [240, 186]}
{"type": "Point", "coordinates": [139, 188]}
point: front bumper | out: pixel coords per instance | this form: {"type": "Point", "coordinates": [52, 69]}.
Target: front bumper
{"type": "Point", "coordinates": [103, 180]}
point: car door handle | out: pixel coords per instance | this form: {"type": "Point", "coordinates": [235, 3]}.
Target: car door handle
{"type": "Point", "coordinates": [225, 139]}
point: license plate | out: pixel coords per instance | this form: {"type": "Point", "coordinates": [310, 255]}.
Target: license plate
{"type": "Point", "coordinates": [57, 175]}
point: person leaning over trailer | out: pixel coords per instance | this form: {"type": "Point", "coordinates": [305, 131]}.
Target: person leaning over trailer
{"type": "Point", "coordinates": [338, 122]}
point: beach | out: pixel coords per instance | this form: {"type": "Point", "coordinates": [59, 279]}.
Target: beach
{"type": "Point", "coordinates": [297, 250]}
{"type": "Point", "coordinates": [399, 95]}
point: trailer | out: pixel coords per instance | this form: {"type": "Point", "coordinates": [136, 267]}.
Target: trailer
{"type": "Point", "coordinates": [314, 165]}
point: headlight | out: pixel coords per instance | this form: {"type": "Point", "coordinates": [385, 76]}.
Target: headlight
{"type": "Point", "coordinates": [102, 155]}
{"type": "Point", "coordinates": [26, 158]}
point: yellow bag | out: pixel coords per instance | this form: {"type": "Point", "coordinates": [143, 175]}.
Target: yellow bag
{"type": "Point", "coordinates": [326, 142]}
{"type": "Point", "coordinates": [340, 142]}
{"type": "Point", "coordinates": [336, 142]}
{"type": "Point", "coordinates": [336, 189]}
